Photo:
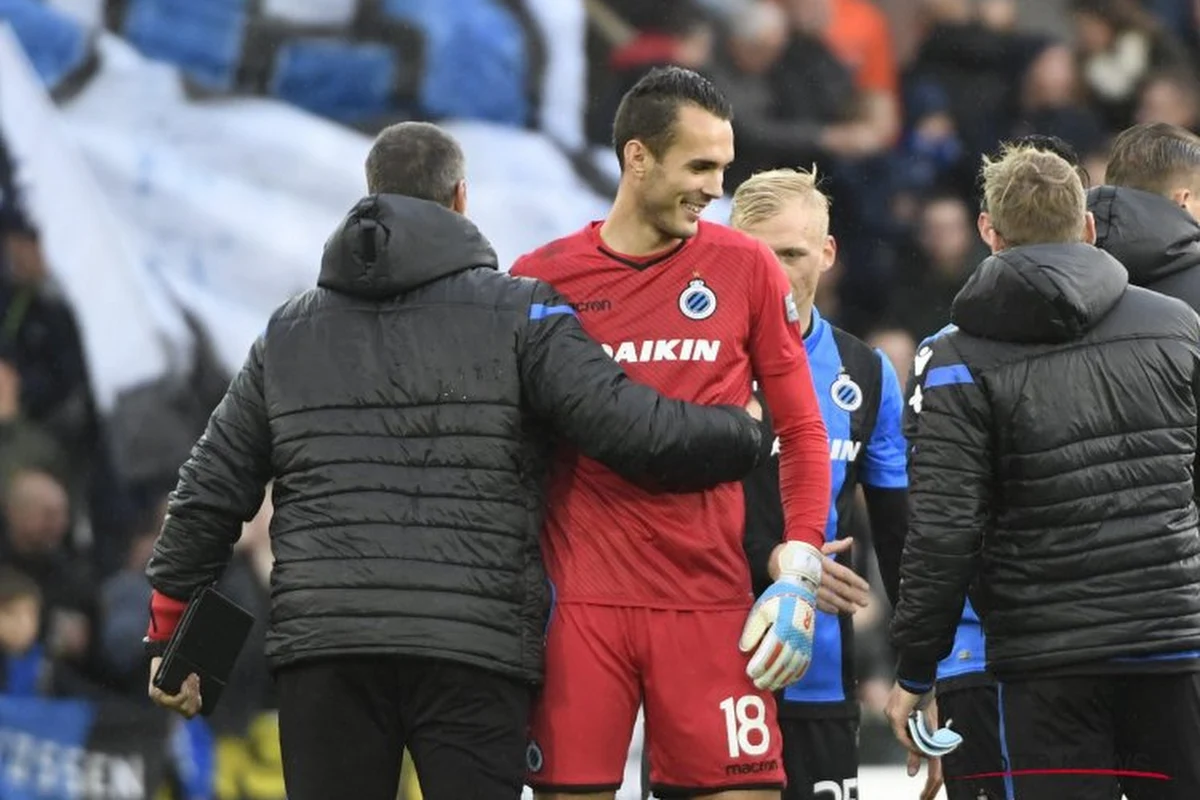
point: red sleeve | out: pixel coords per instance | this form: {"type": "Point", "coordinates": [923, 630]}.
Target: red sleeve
{"type": "Point", "coordinates": [781, 366]}
{"type": "Point", "coordinates": [523, 267]}
{"type": "Point", "coordinates": [165, 613]}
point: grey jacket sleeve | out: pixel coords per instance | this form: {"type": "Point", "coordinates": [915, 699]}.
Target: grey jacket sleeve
{"type": "Point", "coordinates": [568, 380]}
{"type": "Point", "coordinates": [221, 485]}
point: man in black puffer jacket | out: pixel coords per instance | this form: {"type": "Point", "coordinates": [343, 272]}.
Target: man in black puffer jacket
{"type": "Point", "coordinates": [406, 410]}
{"type": "Point", "coordinates": [1053, 437]}
{"type": "Point", "coordinates": [1146, 214]}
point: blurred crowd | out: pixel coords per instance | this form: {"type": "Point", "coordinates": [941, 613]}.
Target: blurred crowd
{"type": "Point", "coordinates": [898, 144]}
{"type": "Point", "coordinates": [75, 536]}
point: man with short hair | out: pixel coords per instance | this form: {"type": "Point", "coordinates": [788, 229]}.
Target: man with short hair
{"type": "Point", "coordinates": [861, 403]}
{"type": "Point", "coordinates": [654, 590]}
{"type": "Point", "coordinates": [406, 410]}
{"type": "Point", "coordinates": [1146, 215]}
{"type": "Point", "coordinates": [1052, 437]}
{"type": "Point", "coordinates": [966, 692]}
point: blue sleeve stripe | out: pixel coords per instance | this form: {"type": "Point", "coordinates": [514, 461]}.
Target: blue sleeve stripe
{"type": "Point", "coordinates": [892, 478]}
{"type": "Point", "coordinates": [914, 687]}
{"type": "Point", "coordinates": [541, 311]}
{"type": "Point", "coordinates": [951, 328]}
{"type": "Point", "coordinates": [946, 376]}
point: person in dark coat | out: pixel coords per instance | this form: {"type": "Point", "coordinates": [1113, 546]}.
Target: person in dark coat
{"type": "Point", "coordinates": [406, 410]}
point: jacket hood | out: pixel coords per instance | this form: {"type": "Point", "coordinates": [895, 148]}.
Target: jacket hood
{"type": "Point", "coordinates": [389, 244]}
{"type": "Point", "coordinates": [1150, 235]}
{"type": "Point", "coordinates": [1040, 293]}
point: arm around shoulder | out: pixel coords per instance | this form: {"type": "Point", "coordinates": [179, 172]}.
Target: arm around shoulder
{"type": "Point", "coordinates": [570, 381]}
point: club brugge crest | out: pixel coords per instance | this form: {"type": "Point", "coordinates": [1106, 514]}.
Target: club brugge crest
{"type": "Point", "coordinates": [697, 301]}
{"type": "Point", "coordinates": [846, 394]}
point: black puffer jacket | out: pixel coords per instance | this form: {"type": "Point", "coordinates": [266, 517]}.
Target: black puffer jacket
{"type": "Point", "coordinates": [406, 411]}
{"type": "Point", "coordinates": [1053, 438]}
{"type": "Point", "coordinates": [1156, 240]}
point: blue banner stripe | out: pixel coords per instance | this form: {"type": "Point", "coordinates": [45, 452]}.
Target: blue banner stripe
{"type": "Point", "coordinates": [541, 311]}
{"type": "Point", "coordinates": [947, 376]}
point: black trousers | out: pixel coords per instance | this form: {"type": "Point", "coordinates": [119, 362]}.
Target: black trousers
{"type": "Point", "coordinates": [1091, 738]}
{"type": "Point", "coordinates": [975, 712]}
{"type": "Point", "coordinates": [344, 724]}
{"type": "Point", "coordinates": [821, 758]}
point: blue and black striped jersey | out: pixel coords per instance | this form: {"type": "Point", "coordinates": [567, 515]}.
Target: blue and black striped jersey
{"type": "Point", "coordinates": [861, 403]}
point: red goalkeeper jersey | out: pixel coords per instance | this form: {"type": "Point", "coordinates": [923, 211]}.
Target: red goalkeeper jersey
{"type": "Point", "coordinates": [698, 322]}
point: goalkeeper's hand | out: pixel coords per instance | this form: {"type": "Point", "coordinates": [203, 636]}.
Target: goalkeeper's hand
{"type": "Point", "coordinates": [782, 622]}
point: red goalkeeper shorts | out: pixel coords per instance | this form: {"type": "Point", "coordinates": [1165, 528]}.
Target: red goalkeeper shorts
{"type": "Point", "coordinates": [707, 727]}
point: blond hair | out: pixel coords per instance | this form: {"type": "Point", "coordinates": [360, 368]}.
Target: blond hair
{"type": "Point", "coordinates": [1034, 197]}
{"type": "Point", "coordinates": [763, 195]}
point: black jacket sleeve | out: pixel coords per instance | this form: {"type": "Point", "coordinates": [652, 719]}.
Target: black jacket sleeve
{"type": "Point", "coordinates": [948, 423]}
{"type": "Point", "coordinates": [888, 511]}
{"type": "Point", "coordinates": [221, 485]}
{"type": "Point", "coordinates": [569, 381]}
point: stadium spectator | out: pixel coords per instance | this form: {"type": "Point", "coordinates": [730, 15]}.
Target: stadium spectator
{"type": "Point", "coordinates": [790, 90]}
{"type": "Point", "coordinates": [1120, 44]}
{"type": "Point", "coordinates": [1172, 97]}
{"type": "Point", "coordinates": [1053, 433]}
{"type": "Point", "coordinates": [406, 410]}
{"type": "Point", "coordinates": [1049, 101]}
{"type": "Point", "coordinates": [40, 339]}
{"type": "Point", "coordinates": [22, 657]}
{"type": "Point", "coordinates": [935, 266]}
{"type": "Point", "coordinates": [37, 523]}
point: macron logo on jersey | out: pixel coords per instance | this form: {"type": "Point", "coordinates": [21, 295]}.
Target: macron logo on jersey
{"type": "Point", "coordinates": [664, 350]}
{"type": "Point", "coordinates": [839, 449]}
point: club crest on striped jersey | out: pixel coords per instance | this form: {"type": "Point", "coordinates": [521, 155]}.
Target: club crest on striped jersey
{"type": "Point", "coordinates": [697, 301]}
{"type": "Point", "coordinates": [847, 395]}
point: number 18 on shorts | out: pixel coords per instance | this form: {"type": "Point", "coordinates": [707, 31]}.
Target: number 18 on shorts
{"type": "Point", "coordinates": [707, 727]}
{"type": "Point", "coordinates": [746, 728]}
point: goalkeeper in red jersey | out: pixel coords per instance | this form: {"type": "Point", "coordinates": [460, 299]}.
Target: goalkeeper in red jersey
{"type": "Point", "coordinates": [653, 599]}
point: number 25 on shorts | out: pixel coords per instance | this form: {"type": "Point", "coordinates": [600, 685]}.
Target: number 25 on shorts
{"type": "Point", "coordinates": [746, 728]}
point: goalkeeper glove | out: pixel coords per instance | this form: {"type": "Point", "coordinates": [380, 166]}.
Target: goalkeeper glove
{"type": "Point", "coordinates": [935, 743]}
{"type": "Point", "coordinates": [783, 620]}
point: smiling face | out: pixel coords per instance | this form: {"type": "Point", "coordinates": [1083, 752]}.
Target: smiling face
{"type": "Point", "coordinates": [674, 187]}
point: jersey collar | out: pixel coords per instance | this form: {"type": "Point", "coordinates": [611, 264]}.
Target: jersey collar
{"type": "Point", "coordinates": [816, 332]}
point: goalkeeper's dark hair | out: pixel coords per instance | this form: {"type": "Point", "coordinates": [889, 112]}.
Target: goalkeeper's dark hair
{"type": "Point", "coordinates": [649, 110]}
{"type": "Point", "coordinates": [416, 159]}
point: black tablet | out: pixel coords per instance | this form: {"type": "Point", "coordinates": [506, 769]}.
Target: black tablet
{"type": "Point", "coordinates": [207, 642]}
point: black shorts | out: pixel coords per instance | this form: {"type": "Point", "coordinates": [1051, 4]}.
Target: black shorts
{"type": "Point", "coordinates": [1137, 734]}
{"type": "Point", "coordinates": [344, 724]}
{"type": "Point", "coordinates": [820, 757]}
{"type": "Point", "coordinates": [975, 714]}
